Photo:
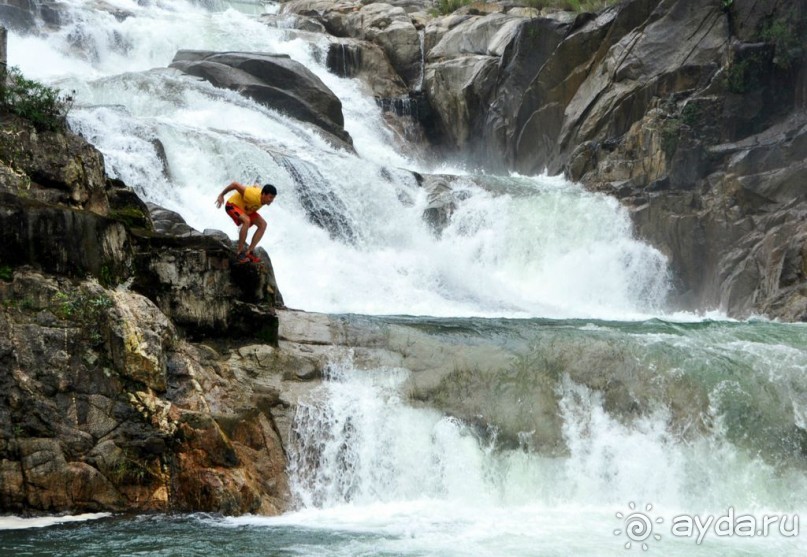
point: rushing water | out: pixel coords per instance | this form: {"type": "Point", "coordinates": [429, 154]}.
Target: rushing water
{"type": "Point", "coordinates": [373, 474]}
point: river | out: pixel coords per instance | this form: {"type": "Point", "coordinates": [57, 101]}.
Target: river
{"type": "Point", "coordinates": [710, 432]}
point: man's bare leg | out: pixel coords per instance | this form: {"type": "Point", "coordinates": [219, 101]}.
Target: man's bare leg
{"type": "Point", "coordinates": [242, 233]}
{"type": "Point", "coordinates": [261, 228]}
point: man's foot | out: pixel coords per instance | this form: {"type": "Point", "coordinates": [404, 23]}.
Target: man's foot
{"type": "Point", "coordinates": [248, 257]}
{"type": "Point", "coordinates": [242, 258]}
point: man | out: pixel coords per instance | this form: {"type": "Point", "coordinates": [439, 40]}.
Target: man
{"type": "Point", "coordinates": [242, 206]}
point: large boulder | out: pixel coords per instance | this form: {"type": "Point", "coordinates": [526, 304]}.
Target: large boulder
{"type": "Point", "coordinates": [62, 240]}
{"type": "Point", "coordinates": [564, 55]}
{"type": "Point", "coordinates": [459, 89]}
{"type": "Point", "coordinates": [274, 80]}
{"type": "Point", "coordinates": [392, 29]}
{"type": "Point", "coordinates": [650, 61]}
{"type": "Point", "coordinates": [476, 73]}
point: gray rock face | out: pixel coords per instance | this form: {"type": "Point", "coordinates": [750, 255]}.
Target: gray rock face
{"type": "Point", "coordinates": [708, 152]}
{"type": "Point", "coordinates": [19, 15]}
{"type": "Point", "coordinates": [737, 238]}
{"type": "Point", "coordinates": [275, 81]}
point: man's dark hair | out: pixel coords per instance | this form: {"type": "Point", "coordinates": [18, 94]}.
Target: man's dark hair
{"type": "Point", "coordinates": [269, 188]}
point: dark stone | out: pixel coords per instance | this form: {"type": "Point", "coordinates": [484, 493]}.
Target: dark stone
{"type": "Point", "coordinates": [270, 79]}
{"type": "Point", "coordinates": [87, 242]}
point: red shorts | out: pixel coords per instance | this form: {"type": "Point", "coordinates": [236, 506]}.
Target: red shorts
{"type": "Point", "coordinates": [235, 213]}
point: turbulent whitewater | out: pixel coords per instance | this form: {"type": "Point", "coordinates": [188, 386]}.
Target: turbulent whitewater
{"type": "Point", "coordinates": [534, 263]}
{"type": "Point", "coordinates": [523, 246]}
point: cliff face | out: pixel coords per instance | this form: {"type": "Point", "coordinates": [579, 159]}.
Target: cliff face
{"type": "Point", "coordinates": [109, 399]}
{"type": "Point", "coordinates": [693, 114]}
{"type": "Point", "coordinates": [712, 163]}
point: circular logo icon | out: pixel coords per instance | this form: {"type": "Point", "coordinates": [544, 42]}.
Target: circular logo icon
{"type": "Point", "coordinates": [638, 526]}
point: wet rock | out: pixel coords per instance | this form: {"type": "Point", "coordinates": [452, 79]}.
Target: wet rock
{"type": "Point", "coordinates": [274, 80]}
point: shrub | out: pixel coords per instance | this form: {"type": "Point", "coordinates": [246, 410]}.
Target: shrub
{"type": "Point", "coordinates": [43, 106]}
{"type": "Point", "coordinates": [448, 6]}
{"type": "Point", "coordinates": [571, 5]}
{"type": "Point", "coordinates": [787, 38]}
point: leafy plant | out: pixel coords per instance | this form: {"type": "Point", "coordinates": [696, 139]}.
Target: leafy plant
{"type": "Point", "coordinates": [84, 309]}
{"type": "Point", "coordinates": [449, 6]}
{"type": "Point", "coordinates": [44, 106]}
{"type": "Point", "coordinates": [578, 6]}
{"type": "Point", "coordinates": [743, 75]}
{"type": "Point", "coordinates": [786, 40]}
{"type": "Point", "coordinates": [691, 114]}
{"type": "Point", "coordinates": [129, 471]}
{"type": "Point", "coordinates": [79, 306]}
{"type": "Point", "coordinates": [6, 273]}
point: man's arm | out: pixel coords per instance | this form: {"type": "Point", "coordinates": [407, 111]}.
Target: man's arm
{"type": "Point", "coordinates": [232, 186]}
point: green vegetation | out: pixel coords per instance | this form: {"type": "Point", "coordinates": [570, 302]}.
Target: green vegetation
{"type": "Point", "coordinates": [80, 306]}
{"type": "Point", "coordinates": [6, 273]}
{"type": "Point", "coordinates": [129, 471]}
{"type": "Point", "coordinates": [132, 217]}
{"type": "Point", "coordinates": [83, 308]}
{"type": "Point", "coordinates": [448, 6]}
{"type": "Point", "coordinates": [787, 37]}
{"type": "Point", "coordinates": [692, 114]}
{"type": "Point", "coordinates": [579, 6]}
{"type": "Point", "coordinates": [745, 75]}
{"type": "Point", "coordinates": [44, 106]}
{"type": "Point", "coordinates": [106, 277]}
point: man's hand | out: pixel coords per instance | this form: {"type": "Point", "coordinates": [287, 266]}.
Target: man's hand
{"type": "Point", "coordinates": [233, 186]}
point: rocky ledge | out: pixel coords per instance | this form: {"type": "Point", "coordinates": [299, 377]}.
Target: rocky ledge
{"type": "Point", "coordinates": [120, 388]}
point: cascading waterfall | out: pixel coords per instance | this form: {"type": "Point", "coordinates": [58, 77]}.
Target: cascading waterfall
{"type": "Point", "coordinates": [362, 441]}
{"type": "Point", "coordinates": [342, 221]}
{"type": "Point", "coordinates": [371, 473]}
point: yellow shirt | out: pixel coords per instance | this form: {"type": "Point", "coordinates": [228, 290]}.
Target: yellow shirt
{"type": "Point", "coordinates": [249, 202]}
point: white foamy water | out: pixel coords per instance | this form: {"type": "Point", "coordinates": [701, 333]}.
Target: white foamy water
{"type": "Point", "coordinates": [411, 481]}
{"type": "Point", "coordinates": [529, 247]}
{"type": "Point", "coordinates": [21, 523]}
